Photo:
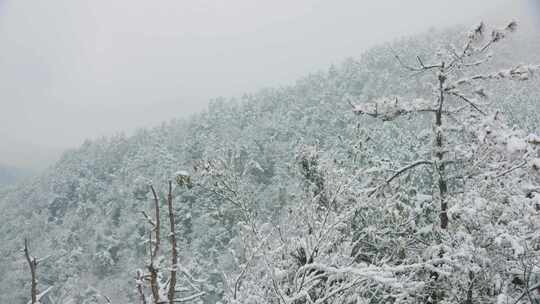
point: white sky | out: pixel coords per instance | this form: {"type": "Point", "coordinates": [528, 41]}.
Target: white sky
{"type": "Point", "coordinates": [71, 70]}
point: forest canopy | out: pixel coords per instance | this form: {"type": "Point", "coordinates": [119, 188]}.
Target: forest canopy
{"type": "Point", "coordinates": [408, 175]}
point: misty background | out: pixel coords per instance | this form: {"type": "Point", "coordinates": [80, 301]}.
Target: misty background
{"type": "Point", "coordinates": [72, 70]}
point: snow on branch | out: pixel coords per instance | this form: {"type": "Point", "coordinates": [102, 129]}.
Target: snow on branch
{"type": "Point", "coordinates": [533, 139]}
{"type": "Point", "coordinates": [400, 172]}
{"type": "Point", "coordinates": [421, 66]}
{"type": "Point", "coordinates": [345, 278]}
{"type": "Point", "coordinates": [165, 291]}
{"type": "Point", "coordinates": [471, 102]}
{"type": "Point", "coordinates": [519, 72]}
{"type": "Point", "coordinates": [388, 109]}
{"type": "Point", "coordinates": [478, 36]}
{"type": "Point", "coordinates": [42, 294]}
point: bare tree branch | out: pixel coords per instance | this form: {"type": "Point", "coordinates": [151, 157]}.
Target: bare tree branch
{"type": "Point", "coordinates": [421, 68]}
{"type": "Point", "coordinates": [399, 172]}
{"type": "Point", "coordinates": [468, 101]}
{"type": "Point", "coordinates": [150, 221]}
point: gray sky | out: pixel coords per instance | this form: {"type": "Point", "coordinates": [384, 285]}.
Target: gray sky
{"type": "Point", "coordinates": [71, 70]}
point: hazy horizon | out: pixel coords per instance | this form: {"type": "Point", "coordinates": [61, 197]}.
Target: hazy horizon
{"type": "Point", "coordinates": [73, 71]}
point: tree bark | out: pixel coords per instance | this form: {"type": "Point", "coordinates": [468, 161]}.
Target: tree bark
{"type": "Point", "coordinates": [33, 265]}
{"type": "Point", "coordinates": [174, 251]}
{"type": "Point", "coordinates": [439, 154]}
{"type": "Point", "coordinates": [154, 286]}
{"type": "Point", "coordinates": [140, 290]}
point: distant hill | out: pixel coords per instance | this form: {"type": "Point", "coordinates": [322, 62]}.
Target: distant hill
{"type": "Point", "coordinates": [85, 211]}
{"type": "Point", "coordinates": [10, 175]}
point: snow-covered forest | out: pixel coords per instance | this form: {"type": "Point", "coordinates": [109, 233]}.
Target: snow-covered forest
{"type": "Point", "coordinates": [408, 175]}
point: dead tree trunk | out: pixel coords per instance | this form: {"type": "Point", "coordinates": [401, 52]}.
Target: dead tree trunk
{"type": "Point", "coordinates": [32, 263]}
{"type": "Point", "coordinates": [439, 153]}
{"type": "Point", "coordinates": [153, 271]}
{"type": "Point", "coordinates": [174, 251]}
{"type": "Point", "coordinates": [164, 293]}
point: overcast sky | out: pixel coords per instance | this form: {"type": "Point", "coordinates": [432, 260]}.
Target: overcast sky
{"type": "Point", "coordinates": [71, 70]}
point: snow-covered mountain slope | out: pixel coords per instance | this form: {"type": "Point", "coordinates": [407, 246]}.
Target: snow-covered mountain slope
{"type": "Point", "coordinates": [84, 212]}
